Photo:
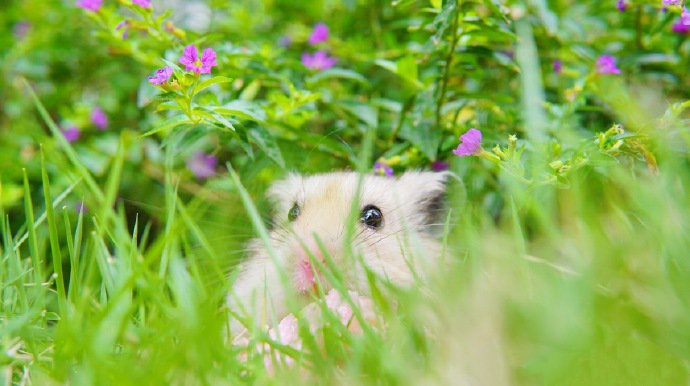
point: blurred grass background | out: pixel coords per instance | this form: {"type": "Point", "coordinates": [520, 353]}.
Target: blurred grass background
{"type": "Point", "coordinates": [568, 259]}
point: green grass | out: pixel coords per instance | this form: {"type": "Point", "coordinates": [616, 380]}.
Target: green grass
{"type": "Point", "coordinates": [585, 283]}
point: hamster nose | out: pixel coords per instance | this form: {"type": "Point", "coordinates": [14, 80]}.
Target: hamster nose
{"type": "Point", "coordinates": [304, 277]}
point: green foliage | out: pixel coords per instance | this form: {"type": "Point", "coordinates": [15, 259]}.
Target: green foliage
{"type": "Point", "coordinates": [566, 246]}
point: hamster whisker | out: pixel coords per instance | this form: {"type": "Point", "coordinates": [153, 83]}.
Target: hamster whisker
{"type": "Point", "coordinates": [385, 237]}
{"type": "Point", "coordinates": [360, 233]}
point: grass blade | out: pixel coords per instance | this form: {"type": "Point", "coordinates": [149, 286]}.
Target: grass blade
{"type": "Point", "coordinates": [54, 239]}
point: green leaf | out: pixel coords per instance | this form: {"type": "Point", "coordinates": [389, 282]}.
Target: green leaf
{"type": "Point", "coordinates": [169, 124]}
{"type": "Point", "coordinates": [334, 73]}
{"type": "Point", "coordinates": [363, 111]}
{"type": "Point", "coordinates": [243, 140]}
{"type": "Point", "coordinates": [229, 123]}
{"type": "Point", "coordinates": [328, 145]}
{"type": "Point", "coordinates": [241, 109]}
{"type": "Point", "coordinates": [167, 106]}
{"type": "Point", "coordinates": [210, 82]}
{"type": "Point", "coordinates": [267, 143]}
{"type": "Point", "coordinates": [387, 64]}
{"type": "Point", "coordinates": [424, 136]}
{"type": "Point", "coordinates": [406, 68]}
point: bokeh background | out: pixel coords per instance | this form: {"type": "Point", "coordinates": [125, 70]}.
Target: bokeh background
{"type": "Point", "coordinates": [568, 236]}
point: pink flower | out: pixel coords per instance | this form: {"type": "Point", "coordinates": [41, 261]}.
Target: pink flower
{"type": "Point", "coordinates": [71, 133]}
{"type": "Point", "coordinates": [90, 5]}
{"type": "Point", "coordinates": [98, 118]}
{"type": "Point", "coordinates": [606, 64]}
{"type": "Point", "coordinates": [124, 25]}
{"type": "Point", "coordinates": [471, 143]}
{"type": "Point", "coordinates": [621, 5]}
{"type": "Point", "coordinates": [439, 166]}
{"type": "Point", "coordinates": [142, 3]}
{"type": "Point", "coordinates": [318, 61]}
{"type": "Point", "coordinates": [21, 29]}
{"type": "Point", "coordinates": [685, 17]}
{"type": "Point", "coordinates": [319, 34]}
{"type": "Point", "coordinates": [161, 76]}
{"type": "Point", "coordinates": [680, 28]}
{"type": "Point", "coordinates": [382, 169]}
{"type": "Point", "coordinates": [202, 165]}
{"type": "Point", "coordinates": [190, 58]}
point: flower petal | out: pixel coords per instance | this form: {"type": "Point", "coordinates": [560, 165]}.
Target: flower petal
{"type": "Point", "coordinates": [471, 143]}
{"type": "Point", "coordinates": [208, 58]}
{"type": "Point", "coordinates": [319, 34]}
{"type": "Point", "coordinates": [189, 56]}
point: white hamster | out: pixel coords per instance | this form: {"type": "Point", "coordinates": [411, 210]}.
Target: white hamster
{"type": "Point", "coordinates": [394, 236]}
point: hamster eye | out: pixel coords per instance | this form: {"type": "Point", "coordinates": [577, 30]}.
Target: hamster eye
{"type": "Point", "coordinates": [372, 217]}
{"type": "Point", "coordinates": [293, 213]}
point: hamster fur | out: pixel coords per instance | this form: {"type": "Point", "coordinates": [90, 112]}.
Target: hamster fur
{"type": "Point", "coordinates": [399, 247]}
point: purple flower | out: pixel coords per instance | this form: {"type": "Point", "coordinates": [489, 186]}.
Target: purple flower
{"type": "Point", "coordinates": [557, 66]}
{"type": "Point", "coordinates": [318, 61]}
{"type": "Point", "coordinates": [439, 166]}
{"type": "Point", "coordinates": [685, 17]}
{"type": "Point", "coordinates": [606, 64]}
{"type": "Point", "coordinates": [190, 58]}
{"type": "Point", "coordinates": [471, 143]}
{"type": "Point", "coordinates": [124, 24]}
{"type": "Point", "coordinates": [202, 165]}
{"type": "Point", "coordinates": [680, 28]}
{"type": "Point", "coordinates": [382, 169]}
{"type": "Point", "coordinates": [98, 118]}
{"type": "Point", "coordinates": [620, 4]}
{"type": "Point", "coordinates": [80, 207]}
{"type": "Point", "coordinates": [285, 41]}
{"type": "Point", "coordinates": [319, 34]}
{"type": "Point", "coordinates": [71, 133]}
{"type": "Point", "coordinates": [142, 3]}
{"type": "Point", "coordinates": [90, 5]}
{"type": "Point", "coordinates": [161, 76]}
{"type": "Point", "coordinates": [670, 2]}
{"type": "Point", "coordinates": [21, 29]}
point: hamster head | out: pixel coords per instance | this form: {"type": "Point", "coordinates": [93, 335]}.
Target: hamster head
{"type": "Point", "coordinates": [394, 228]}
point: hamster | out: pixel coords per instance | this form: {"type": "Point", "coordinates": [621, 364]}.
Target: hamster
{"type": "Point", "coordinates": [394, 235]}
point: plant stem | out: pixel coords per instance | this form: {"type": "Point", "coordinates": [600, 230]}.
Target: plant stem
{"type": "Point", "coordinates": [449, 62]}
{"type": "Point", "coordinates": [638, 27]}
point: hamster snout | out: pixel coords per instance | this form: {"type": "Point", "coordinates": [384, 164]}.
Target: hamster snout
{"type": "Point", "coordinates": [304, 270]}
{"type": "Point", "coordinates": [393, 235]}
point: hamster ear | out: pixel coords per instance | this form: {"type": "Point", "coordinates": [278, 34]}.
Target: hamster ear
{"type": "Point", "coordinates": [426, 191]}
{"type": "Point", "coordinates": [283, 193]}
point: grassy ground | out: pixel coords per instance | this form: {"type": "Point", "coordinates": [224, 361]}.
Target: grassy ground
{"type": "Point", "coordinates": [584, 283]}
